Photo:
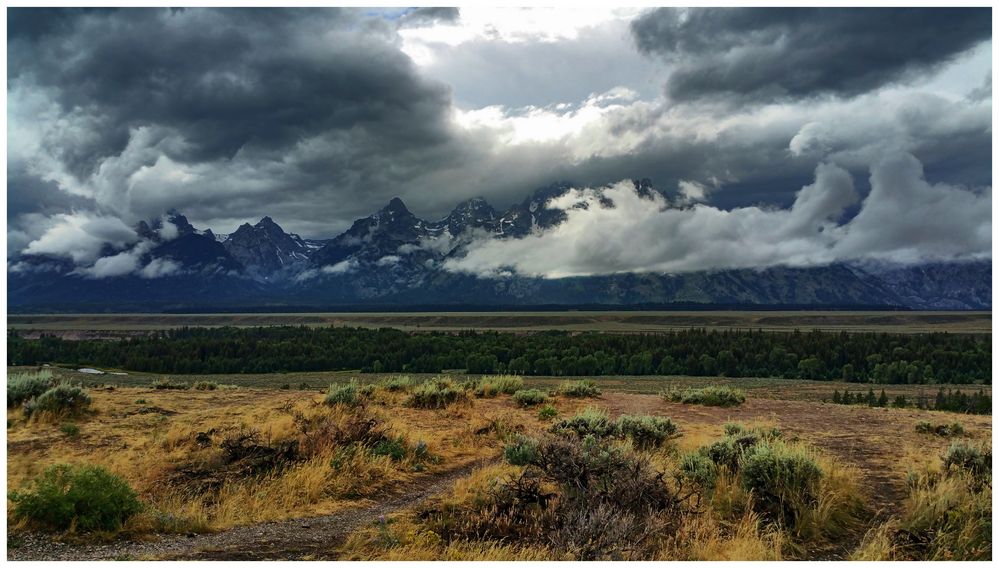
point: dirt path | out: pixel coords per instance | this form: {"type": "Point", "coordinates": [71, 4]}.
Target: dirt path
{"type": "Point", "coordinates": [310, 538]}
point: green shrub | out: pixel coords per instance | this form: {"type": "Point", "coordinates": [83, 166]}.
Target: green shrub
{"type": "Point", "coordinates": [589, 422]}
{"type": "Point", "coordinates": [285, 386]}
{"type": "Point", "coordinates": [367, 391]}
{"type": "Point", "coordinates": [421, 451]}
{"type": "Point", "coordinates": [943, 430]}
{"type": "Point", "coordinates": [707, 396]}
{"type": "Point", "coordinates": [343, 393]}
{"type": "Point", "coordinates": [733, 428]}
{"type": "Point", "coordinates": [784, 481]}
{"type": "Point", "coordinates": [579, 389]}
{"type": "Point", "coordinates": [529, 397]}
{"type": "Point", "coordinates": [498, 384]}
{"type": "Point", "coordinates": [772, 433]}
{"type": "Point", "coordinates": [699, 469]}
{"type": "Point", "coordinates": [739, 439]}
{"type": "Point", "coordinates": [394, 448]}
{"type": "Point", "coordinates": [62, 400]}
{"type": "Point", "coordinates": [87, 498]}
{"type": "Point", "coordinates": [166, 384]}
{"type": "Point", "coordinates": [436, 393]}
{"type": "Point", "coordinates": [523, 451]}
{"type": "Point", "coordinates": [723, 452]}
{"type": "Point", "coordinates": [140, 401]}
{"type": "Point", "coordinates": [22, 387]}
{"type": "Point", "coordinates": [549, 412]}
{"type": "Point", "coordinates": [205, 385]}
{"type": "Point", "coordinates": [71, 430]}
{"type": "Point", "coordinates": [395, 384]}
{"type": "Point", "coordinates": [975, 460]}
{"type": "Point", "coordinates": [647, 431]}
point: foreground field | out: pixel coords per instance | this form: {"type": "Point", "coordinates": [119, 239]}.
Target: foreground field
{"type": "Point", "coordinates": [90, 325]}
{"type": "Point", "coordinates": [430, 464]}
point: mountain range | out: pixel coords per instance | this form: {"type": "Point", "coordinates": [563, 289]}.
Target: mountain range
{"type": "Point", "coordinates": [394, 258]}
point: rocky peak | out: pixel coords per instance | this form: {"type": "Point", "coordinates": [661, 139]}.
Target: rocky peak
{"type": "Point", "coordinates": [265, 248]}
{"type": "Point", "coordinates": [474, 213]}
{"type": "Point", "coordinates": [152, 229]}
{"type": "Point", "coordinates": [184, 227]}
{"type": "Point", "coordinates": [395, 209]}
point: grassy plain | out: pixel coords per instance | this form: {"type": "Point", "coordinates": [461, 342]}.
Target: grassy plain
{"type": "Point", "coordinates": [330, 501]}
{"type": "Point", "coordinates": [87, 325]}
{"type": "Point", "coordinates": [152, 437]}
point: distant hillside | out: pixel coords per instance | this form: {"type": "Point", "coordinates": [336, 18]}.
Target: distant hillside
{"type": "Point", "coordinates": [393, 258]}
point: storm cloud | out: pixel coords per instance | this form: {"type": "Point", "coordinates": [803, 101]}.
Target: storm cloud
{"type": "Point", "coordinates": [135, 90]}
{"type": "Point", "coordinates": [317, 117]}
{"type": "Point", "coordinates": [766, 54]}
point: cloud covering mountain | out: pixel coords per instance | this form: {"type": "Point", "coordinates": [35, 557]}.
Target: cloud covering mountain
{"type": "Point", "coordinates": [776, 137]}
{"type": "Point", "coordinates": [615, 229]}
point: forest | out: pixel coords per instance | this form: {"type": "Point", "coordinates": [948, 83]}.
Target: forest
{"type": "Point", "coordinates": [884, 358]}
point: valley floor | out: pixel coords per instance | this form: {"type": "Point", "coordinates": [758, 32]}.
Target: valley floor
{"type": "Point", "coordinates": [75, 326]}
{"type": "Point", "coordinates": [147, 437]}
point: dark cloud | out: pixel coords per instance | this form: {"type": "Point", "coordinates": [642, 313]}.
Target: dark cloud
{"type": "Point", "coordinates": [26, 193]}
{"type": "Point", "coordinates": [428, 16]}
{"type": "Point", "coordinates": [772, 53]}
{"type": "Point", "coordinates": [34, 23]}
{"type": "Point", "coordinates": [318, 117]}
{"type": "Point", "coordinates": [225, 80]}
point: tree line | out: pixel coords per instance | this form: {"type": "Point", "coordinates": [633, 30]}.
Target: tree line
{"type": "Point", "coordinates": [949, 400]}
{"type": "Point", "coordinates": [855, 357]}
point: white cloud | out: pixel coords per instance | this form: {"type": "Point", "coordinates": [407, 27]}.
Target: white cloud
{"type": "Point", "coordinates": [81, 236]}
{"type": "Point", "coordinates": [692, 191]}
{"type": "Point", "coordinates": [159, 267]}
{"type": "Point", "coordinates": [510, 25]}
{"type": "Point", "coordinates": [810, 139]}
{"type": "Point", "coordinates": [639, 234]}
{"type": "Point", "coordinates": [110, 266]}
{"type": "Point", "coordinates": [905, 218]}
{"type": "Point", "coordinates": [387, 260]}
{"type": "Point", "coordinates": [342, 267]}
{"type": "Point", "coordinates": [168, 231]}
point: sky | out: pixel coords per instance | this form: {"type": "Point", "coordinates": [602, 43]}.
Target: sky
{"type": "Point", "coordinates": [777, 136]}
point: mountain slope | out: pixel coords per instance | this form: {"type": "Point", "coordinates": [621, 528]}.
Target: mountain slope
{"type": "Point", "coordinates": [393, 257]}
{"type": "Point", "coordinates": [265, 249]}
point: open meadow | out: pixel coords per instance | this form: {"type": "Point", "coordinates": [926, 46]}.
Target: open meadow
{"type": "Point", "coordinates": [413, 467]}
{"type": "Point", "coordinates": [315, 441]}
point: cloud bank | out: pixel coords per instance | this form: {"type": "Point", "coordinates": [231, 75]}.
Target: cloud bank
{"type": "Point", "coordinates": [317, 117]}
{"type": "Point", "coordinates": [614, 229]}
{"type": "Point", "coordinates": [764, 54]}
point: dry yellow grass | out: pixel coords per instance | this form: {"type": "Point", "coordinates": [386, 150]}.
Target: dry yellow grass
{"type": "Point", "coordinates": [403, 538]}
{"type": "Point", "coordinates": [144, 434]}
{"type": "Point", "coordinates": [144, 442]}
